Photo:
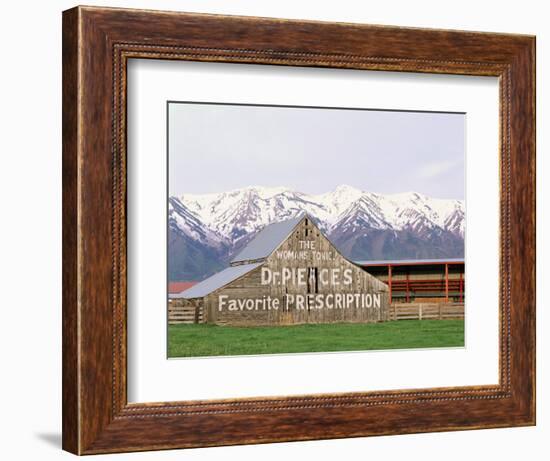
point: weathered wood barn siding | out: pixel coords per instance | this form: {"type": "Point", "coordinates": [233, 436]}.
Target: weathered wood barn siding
{"type": "Point", "coordinates": [323, 256]}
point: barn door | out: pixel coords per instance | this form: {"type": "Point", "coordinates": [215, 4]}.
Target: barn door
{"type": "Point", "coordinates": [312, 282]}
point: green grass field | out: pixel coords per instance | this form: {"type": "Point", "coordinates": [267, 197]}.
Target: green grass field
{"type": "Point", "coordinates": [212, 340]}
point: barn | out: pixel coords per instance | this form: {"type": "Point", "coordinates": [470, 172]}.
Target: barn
{"type": "Point", "coordinates": [289, 273]}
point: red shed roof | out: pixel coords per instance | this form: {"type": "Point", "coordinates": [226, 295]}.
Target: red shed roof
{"type": "Point", "coordinates": [178, 287]}
{"type": "Point", "coordinates": [411, 262]}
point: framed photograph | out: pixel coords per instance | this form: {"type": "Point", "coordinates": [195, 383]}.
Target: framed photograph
{"type": "Point", "coordinates": [313, 263]}
{"type": "Point", "coordinates": [281, 230]}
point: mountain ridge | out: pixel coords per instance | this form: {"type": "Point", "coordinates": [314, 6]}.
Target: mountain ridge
{"type": "Point", "coordinates": [363, 225]}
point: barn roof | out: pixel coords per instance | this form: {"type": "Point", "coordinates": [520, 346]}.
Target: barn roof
{"type": "Point", "coordinates": [215, 281]}
{"type": "Point", "coordinates": [411, 262]}
{"type": "Point", "coordinates": [267, 240]}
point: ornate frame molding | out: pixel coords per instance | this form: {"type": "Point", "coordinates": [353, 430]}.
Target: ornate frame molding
{"type": "Point", "coordinates": [97, 43]}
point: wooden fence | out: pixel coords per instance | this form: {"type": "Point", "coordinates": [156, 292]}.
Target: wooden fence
{"type": "Point", "coordinates": [178, 313]}
{"type": "Point", "coordinates": [426, 311]}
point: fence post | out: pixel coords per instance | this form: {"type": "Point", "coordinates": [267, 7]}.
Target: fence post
{"type": "Point", "coordinates": [446, 283]}
{"type": "Point", "coordinates": [420, 312]}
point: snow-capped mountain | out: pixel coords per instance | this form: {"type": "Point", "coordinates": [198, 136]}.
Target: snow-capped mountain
{"type": "Point", "coordinates": [363, 225]}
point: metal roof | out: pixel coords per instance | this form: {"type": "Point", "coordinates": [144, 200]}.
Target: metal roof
{"type": "Point", "coordinates": [215, 281]}
{"type": "Point", "coordinates": [404, 262]}
{"type": "Point", "coordinates": [267, 240]}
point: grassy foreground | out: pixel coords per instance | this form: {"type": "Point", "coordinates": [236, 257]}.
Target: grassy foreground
{"type": "Point", "coordinates": [212, 340]}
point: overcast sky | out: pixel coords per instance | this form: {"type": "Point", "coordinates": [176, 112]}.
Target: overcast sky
{"type": "Point", "coordinates": [215, 148]}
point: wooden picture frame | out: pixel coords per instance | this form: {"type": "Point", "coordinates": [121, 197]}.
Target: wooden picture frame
{"type": "Point", "coordinates": [97, 43]}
